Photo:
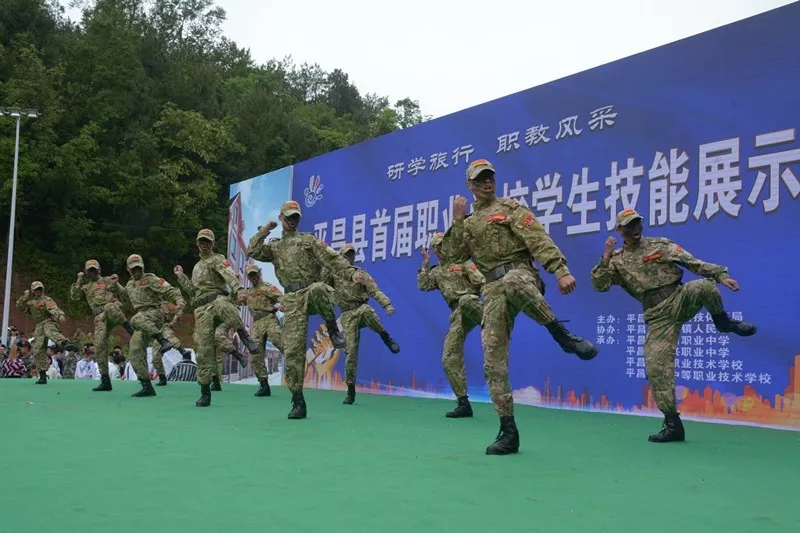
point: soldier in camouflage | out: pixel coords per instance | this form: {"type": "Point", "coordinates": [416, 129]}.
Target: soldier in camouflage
{"type": "Point", "coordinates": [460, 285]}
{"type": "Point", "coordinates": [47, 316]}
{"type": "Point", "coordinates": [503, 238]}
{"type": "Point", "coordinates": [222, 338]}
{"type": "Point", "coordinates": [352, 293]}
{"type": "Point", "coordinates": [648, 268]}
{"type": "Point", "coordinates": [263, 299]}
{"type": "Point", "coordinates": [145, 293]}
{"type": "Point", "coordinates": [104, 295]}
{"type": "Point", "coordinates": [208, 290]}
{"type": "Point", "coordinates": [298, 259]}
{"type": "Point", "coordinates": [171, 316]}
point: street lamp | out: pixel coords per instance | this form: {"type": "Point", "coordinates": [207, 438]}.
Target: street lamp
{"type": "Point", "coordinates": [17, 113]}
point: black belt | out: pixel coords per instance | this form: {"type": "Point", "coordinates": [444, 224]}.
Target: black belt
{"type": "Point", "coordinates": [204, 299]}
{"type": "Point", "coordinates": [502, 270]}
{"type": "Point", "coordinates": [654, 297]}
{"type": "Point", "coordinates": [351, 306]}
{"type": "Point", "coordinates": [298, 286]}
{"type": "Point", "coordinates": [258, 315]}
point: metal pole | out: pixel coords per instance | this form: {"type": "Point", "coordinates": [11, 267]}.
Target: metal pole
{"type": "Point", "coordinates": [9, 261]}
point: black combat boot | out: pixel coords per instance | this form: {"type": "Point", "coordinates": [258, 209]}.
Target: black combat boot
{"type": "Point", "coordinates": [42, 379]}
{"type": "Point", "coordinates": [215, 384]}
{"type": "Point", "coordinates": [351, 395]}
{"type": "Point", "coordinates": [127, 327]}
{"type": "Point", "coordinates": [463, 410]}
{"type": "Point", "coordinates": [105, 384]}
{"type": "Point", "coordinates": [335, 335]}
{"type": "Point", "coordinates": [671, 430]}
{"type": "Point", "coordinates": [250, 344]}
{"type": "Point", "coordinates": [298, 406]}
{"type": "Point", "coordinates": [185, 353]}
{"type": "Point", "coordinates": [264, 390]}
{"type": "Point", "coordinates": [165, 344]}
{"type": "Point", "coordinates": [69, 346]}
{"type": "Point", "coordinates": [389, 342]}
{"type": "Point", "coordinates": [726, 324]}
{"type": "Point", "coordinates": [572, 343]}
{"type": "Point", "coordinates": [507, 440]}
{"type": "Point", "coordinates": [147, 389]}
{"type": "Point", "coordinates": [205, 396]}
{"type": "Point", "coordinates": [162, 380]}
{"type": "Point", "coordinates": [239, 356]}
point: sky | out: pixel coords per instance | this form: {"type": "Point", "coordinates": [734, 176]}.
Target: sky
{"type": "Point", "coordinates": [431, 51]}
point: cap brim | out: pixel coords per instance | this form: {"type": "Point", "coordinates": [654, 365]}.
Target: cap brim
{"type": "Point", "coordinates": [627, 220]}
{"type": "Point", "coordinates": [290, 212]}
{"type": "Point", "coordinates": [137, 264]}
{"type": "Point", "coordinates": [477, 171]}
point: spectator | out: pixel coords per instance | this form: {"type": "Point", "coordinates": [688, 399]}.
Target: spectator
{"type": "Point", "coordinates": [116, 365]}
{"type": "Point", "coordinates": [13, 367]}
{"type": "Point", "coordinates": [185, 370]}
{"type": "Point", "coordinates": [87, 366]}
{"type": "Point", "coordinates": [52, 370]}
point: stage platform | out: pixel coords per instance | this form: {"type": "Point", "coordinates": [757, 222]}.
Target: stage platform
{"type": "Point", "coordinates": [77, 461]}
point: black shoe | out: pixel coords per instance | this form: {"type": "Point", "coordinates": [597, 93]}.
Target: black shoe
{"type": "Point", "coordinates": [298, 406]}
{"type": "Point", "coordinates": [215, 384]}
{"type": "Point", "coordinates": [507, 440]}
{"type": "Point", "coordinates": [147, 389]}
{"type": "Point", "coordinates": [671, 430]}
{"type": "Point", "coordinates": [725, 324]}
{"type": "Point", "coordinates": [42, 379]}
{"type": "Point", "coordinates": [572, 343]}
{"type": "Point", "coordinates": [389, 342]}
{"type": "Point", "coordinates": [264, 390]}
{"type": "Point", "coordinates": [463, 410]}
{"type": "Point", "coordinates": [351, 395]}
{"type": "Point", "coordinates": [205, 396]}
{"type": "Point", "coordinates": [335, 335]}
{"type": "Point", "coordinates": [105, 384]}
{"type": "Point", "coordinates": [249, 343]}
{"type": "Point", "coordinates": [127, 327]}
{"type": "Point", "coordinates": [239, 356]}
{"type": "Point", "coordinates": [162, 380]}
{"type": "Point", "coordinates": [165, 344]}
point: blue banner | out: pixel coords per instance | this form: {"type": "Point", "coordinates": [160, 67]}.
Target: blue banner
{"type": "Point", "coordinates": [700, 136]}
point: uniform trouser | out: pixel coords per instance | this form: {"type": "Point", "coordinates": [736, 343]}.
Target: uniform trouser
{"type": "Point", "coordinates": [263, 329]}
{"type": "Point", "coordinates": [158, 355]}
{"type": "Point", "coordinates": [664, 323]}
{"type": "Point", "coordinates": [316, 299]}
{"type": "Point", "coordinates": [464, 318]}
{"type": "Point", "coordinates": [145, 324]}
{"type": "Point", "coordinates": [363, 316]}
{"type": "Point", "coordinates": [46, 330]}
{"type": "Point", "coordinates": [520, 290]}
{"type": "Point", "coordinates": [111, 317]}
{"type": "Point", "coordinates": [207, 321]}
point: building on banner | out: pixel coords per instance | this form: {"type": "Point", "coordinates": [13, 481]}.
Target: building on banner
{"type": "Point", "coordinates": [252, 203]}
{"type": "Point", "coordinates": [700, 136]}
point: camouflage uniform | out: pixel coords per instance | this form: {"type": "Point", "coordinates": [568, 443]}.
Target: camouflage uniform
{"type": "Point", "coordinates": [503, 238]}
{"type": "Point", "coordinates": [145, 295]}
{"type": "Point", "coordinates": [298, 259]}
{"type": "Point", "coordinates": [262, 299]}
{"type": "Point", "coordinates": [46, 313]}
{"type": "Point", "coordinates": [460, 285]}
{"type": "Point", "coordinates": [104, 298]}
{"type": "Point", "coordinates": [650, 273]}
{"type": "Point", "coordinates": [213, 308]}
{"type": "Point", "coordinates": [171, 315]}
{"type": "Point", "coordinates": [352, 295]}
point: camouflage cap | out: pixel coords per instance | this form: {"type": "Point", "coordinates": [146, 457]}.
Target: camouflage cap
{"type": "Point", "coordinates": [347, 248]}
{"type": "Point", "coordinates": [37, 285]}
{"type": "Point", "coordinates": [135, 260]}
{"type": "Point", "coordinates": [206, 234]}
{"type": "Point", "coordinates": [437, 239]}
{"type": "Point", "coordinates": [627, 216]}
{"type": "Point", "coordinates": [291, 208]}
{"type": "Point", "coordinates": [91, 264]}
{"type": "Point", "coordinates": [251, 268]}
{"type": "Point", "coordinates": [478, 166]}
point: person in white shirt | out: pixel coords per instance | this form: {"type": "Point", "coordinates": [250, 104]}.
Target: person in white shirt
{"type": "Point", "coordinates": [87, 367]}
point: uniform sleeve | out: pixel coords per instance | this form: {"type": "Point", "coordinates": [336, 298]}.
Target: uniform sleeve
{"type": "Point", "coordinates": [186, 285]}
{"type": "Point", "coordinates": [53, 309]}
{"type": "Point", "coordinates": [171, 293]}
{"type": "Point", "coordinates": [259, 250]}
{"type": "Point", "coordinates": [372, 288]}
{"type": "Point", "coordinates": [681, 257]}
{"type": "Point", "coordinates": [76, 291]}
{"type": "Point", "coordinates": [331, 260]}
{"type": "Point", "coordinates": [223, 267]}
{"type": "Point", "coordinates": [454, 246]}
{"type": "Point", "coordinates": [274, 293]}
{"type": "Point", "coordinates": [127, 304]}
{"type": "Point", "coordinates": [426, 281]}
{"type": "Point", "coordinates": [474, 275]}
{"type": "Point", "coordinates": [117, 290]}
{"type": "Point", "coordinates": [22, 305]}
{"type": "Point", "coordinates": [603, 276]}
{"type": "Point", "coordinates": [525, 226]}
{"type": "Point", "coordinates": [327, 277]}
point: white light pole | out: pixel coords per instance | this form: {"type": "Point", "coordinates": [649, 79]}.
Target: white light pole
{"type": "Point", "coordinates": [17, 113]}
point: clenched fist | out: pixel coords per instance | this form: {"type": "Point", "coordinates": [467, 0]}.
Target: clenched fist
{"type": "Point", "coordinates": [178, 270]}
{"type": "Point", "coordinates": [610, 243]}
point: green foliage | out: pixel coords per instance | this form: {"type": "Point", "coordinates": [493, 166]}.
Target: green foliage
{"type": "Point", "coordinates": [149, 114]}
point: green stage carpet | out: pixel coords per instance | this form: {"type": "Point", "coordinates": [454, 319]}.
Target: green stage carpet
{"type": "Point", "coordinates": [76, 461]}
